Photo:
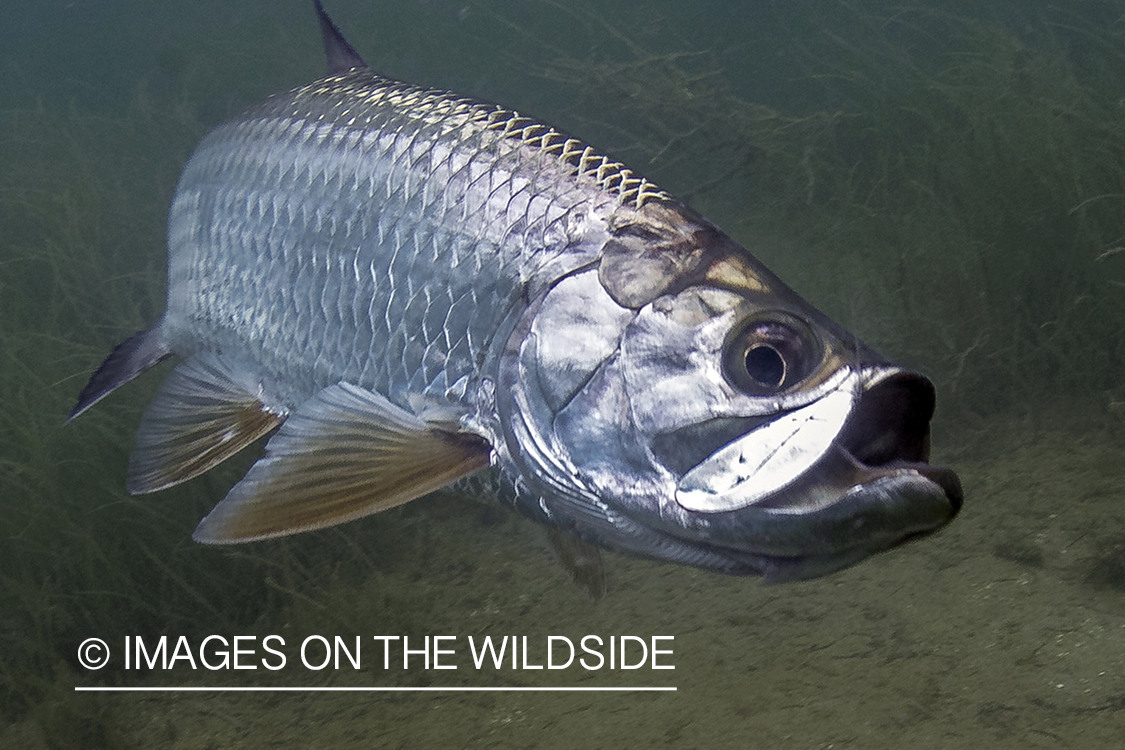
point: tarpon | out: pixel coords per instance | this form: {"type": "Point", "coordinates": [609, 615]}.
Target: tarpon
{"type": "Point", "coordinates": [412, 288]}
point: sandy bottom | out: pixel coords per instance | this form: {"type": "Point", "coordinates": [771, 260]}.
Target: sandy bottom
{"type": "Point", "coordinates": [1006, 630]}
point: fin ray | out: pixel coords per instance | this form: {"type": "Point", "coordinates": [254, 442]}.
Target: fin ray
{"type": "Point", "coordinates": [344, 454]}
{"type": "Point", "coordinates": [203, 413]}
{"type": "Point", "coordinates": [582, 560]}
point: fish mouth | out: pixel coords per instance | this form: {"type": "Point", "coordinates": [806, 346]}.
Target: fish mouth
{"type": "Point", "coordinates": [889, 433]}
{"type": "Point", "coordinates": [884, 444]}
{"type": "Point", "coordinates": [873, 489]}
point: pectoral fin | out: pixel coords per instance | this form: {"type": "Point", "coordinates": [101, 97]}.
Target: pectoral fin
{"type": "Point", "coordinates": [344, 454]}
{"type": "Point", "coordinates": [203, 413]}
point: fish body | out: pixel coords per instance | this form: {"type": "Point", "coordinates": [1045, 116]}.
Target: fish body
{"type": "Point", "coordinates": [367, 231]}
{"type": "Point", "coordinates": [414, 288]}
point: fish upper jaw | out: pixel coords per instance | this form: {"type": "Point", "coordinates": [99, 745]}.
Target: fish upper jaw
{"type": "Point", "coordinates": [876, 419]}
{"type": "Point", "coordinates": [766, 460]}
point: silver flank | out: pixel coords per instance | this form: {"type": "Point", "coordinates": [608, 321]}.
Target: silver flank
{"type": "Point", "coordinates": [363, 230]}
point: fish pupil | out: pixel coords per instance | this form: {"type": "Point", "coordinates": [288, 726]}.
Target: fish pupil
{"type": "Point", "coordinates": [765, 365]}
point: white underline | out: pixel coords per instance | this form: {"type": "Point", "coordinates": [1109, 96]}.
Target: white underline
{"type": "Point", "coordinates": [268, 689]}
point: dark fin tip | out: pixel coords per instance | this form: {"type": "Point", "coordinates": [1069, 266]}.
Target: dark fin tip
{"type": "Point", "coordinates": [342, 56]}
{"type": "Point", "coordinates": [129, 359]}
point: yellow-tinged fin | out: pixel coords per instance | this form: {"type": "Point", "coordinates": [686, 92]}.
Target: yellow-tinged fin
{"type": "Point", "coordinates": [203, 413]}
{"type": "Point", "coordinates": [344, 454]}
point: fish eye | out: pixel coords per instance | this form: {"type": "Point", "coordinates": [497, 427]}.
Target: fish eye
{"type": "Point", "coordinates": [770, 355]}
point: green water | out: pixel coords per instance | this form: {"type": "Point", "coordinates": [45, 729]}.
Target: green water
{"type": "Point", "coordinates": [946, 179]}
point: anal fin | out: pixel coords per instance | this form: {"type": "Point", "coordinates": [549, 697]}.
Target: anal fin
{"type": "Point", "coordinates": [203, 413]}
{"type": "Point", "coordinates": [344, 454]}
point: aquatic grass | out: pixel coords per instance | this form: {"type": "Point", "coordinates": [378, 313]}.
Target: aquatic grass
{"type": "Point", "coordinates": [81, 265]}
{"type": "Point", "coordinates": [996, 174]}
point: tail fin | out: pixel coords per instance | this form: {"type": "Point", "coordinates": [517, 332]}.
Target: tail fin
{"type": "Point", "coordinates": [131, 357]}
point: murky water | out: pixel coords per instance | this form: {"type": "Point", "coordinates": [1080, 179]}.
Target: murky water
{"type": "Point", "coordinates": [946, 181]}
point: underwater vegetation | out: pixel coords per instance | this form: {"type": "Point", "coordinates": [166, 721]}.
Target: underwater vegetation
{"type": "Point", "coordinates": [961, 202]}
{"type": "Point", "coordinates": [75, 264]}
{"type": "Point", "coordinates": [949, 184]}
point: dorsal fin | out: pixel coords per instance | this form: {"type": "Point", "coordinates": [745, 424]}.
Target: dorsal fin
{"type": "Point", "coordinates": [342, 56]}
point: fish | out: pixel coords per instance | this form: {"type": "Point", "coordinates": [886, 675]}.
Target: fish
{"type": "Point", "coordinates": [409, 290]}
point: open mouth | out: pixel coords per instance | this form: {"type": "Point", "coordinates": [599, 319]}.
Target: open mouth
{"type": "Point", "coordinates": [808, 459]}
{"type": "Point", "coordinates": [869, 489]}
{"type": "Point", "coordinates": [889, 432]}
{"type": "Point", "coordinates": [873, 490]}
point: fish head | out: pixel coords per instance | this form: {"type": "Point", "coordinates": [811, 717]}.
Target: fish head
{"type": "Point", "coordinates": [681, 394]}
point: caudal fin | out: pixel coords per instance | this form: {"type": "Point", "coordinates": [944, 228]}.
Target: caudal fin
{"type": "Point", "coordinates": [133, 356]}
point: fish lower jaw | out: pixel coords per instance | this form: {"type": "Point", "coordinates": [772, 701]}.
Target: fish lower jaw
{"type": "Point", "coordinates": [831, 519]}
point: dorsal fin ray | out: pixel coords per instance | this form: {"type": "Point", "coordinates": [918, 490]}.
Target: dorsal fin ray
{"type": "Point", "coordinates": [341, 55]}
